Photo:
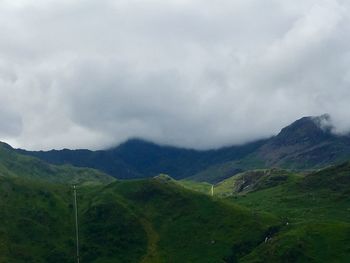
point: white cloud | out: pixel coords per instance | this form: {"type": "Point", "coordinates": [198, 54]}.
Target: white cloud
{"type": "Point", "coordinates": [200, 74]}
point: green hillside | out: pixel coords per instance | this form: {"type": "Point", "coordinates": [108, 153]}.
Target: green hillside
{"type": "Point", "coordinates": [316, 212]}
{"type": "Point", "coordinates": [184, 226]}
{"type": "Point", "coordinates": [153, 220]}
{"type": "Point", "coordinates": [253, 181]}
{"type": "Point", "coordinates": [37, 225]}
{"type": "Point", "coordinates": [131, 221]}
{"type": "Point", "coordinates": [266, 215]}
{"type": "Point", "coordinates": [18, 165]}
{"type": "Point", "coordinates": [322, 195]}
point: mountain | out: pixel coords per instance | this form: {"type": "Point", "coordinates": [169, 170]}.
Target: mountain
{"type": "Point", "coordinates": [144, 221]}
{"type": "Point", "coordinates": [308, 143]}
{"type": "Point", "coordinates": [137, 158]}
{"type": "Point", "coordinates": [265, 215]}
{"type": "Point", "coordinates": [13, 164]}
{"type": "Point", "coordinates": [315, 208]}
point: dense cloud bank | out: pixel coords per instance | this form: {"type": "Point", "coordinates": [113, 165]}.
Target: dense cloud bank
{"type": "Point", "coordinates": [201, 74]}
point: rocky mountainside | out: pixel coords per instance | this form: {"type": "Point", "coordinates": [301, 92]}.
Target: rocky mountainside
{"type": "Point", "coordinates": [306, 143]}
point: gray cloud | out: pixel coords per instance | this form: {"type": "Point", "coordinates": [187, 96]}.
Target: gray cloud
{"type": "Point", "coordinates": [198, 74]}
{"type": "Point", "coordinates": [11, 123]}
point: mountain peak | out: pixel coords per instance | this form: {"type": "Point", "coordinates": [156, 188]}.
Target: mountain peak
{"type": "Point", "coordinates": [5, 145]}
{"type": "Point", "coordinates": [324, 122]}
{"type": "Point", "coordinates": [311, 129]}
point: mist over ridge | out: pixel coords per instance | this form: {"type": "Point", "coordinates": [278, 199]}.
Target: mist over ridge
{"type": "Point", "coordinates": [195, 74]}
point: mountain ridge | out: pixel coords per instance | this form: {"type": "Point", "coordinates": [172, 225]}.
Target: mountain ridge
{"type": "Point", "coordinates": [267, 215]}
{"type": "Point", "coordinates": [307, 143]}
{"type": "Point", "coordinates": [138, 158]}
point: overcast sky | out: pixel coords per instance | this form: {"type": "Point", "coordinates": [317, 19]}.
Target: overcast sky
{"type": "Point", "coordinates": [192, 73]}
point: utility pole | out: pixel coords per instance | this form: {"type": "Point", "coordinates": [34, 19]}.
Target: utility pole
{"type": "Point", "coordinates": [76, 221]}
{"type": "Point", "coordinates": [212, 190]}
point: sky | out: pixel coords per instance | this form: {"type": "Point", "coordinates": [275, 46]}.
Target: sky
{"type": "Point", "coordinates": [190, 73]}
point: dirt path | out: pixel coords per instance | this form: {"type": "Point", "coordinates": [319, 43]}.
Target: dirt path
{"type": "Point", "coordinates": [153, 238]}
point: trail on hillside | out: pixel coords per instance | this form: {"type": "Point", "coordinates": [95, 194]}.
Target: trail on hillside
{"type": "Point", "coordinates": [153, 238]}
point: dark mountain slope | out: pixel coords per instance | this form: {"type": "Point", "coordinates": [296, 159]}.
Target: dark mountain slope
{"type": "Point", "coordinates": [137, 158]}
{"type": "Point", "coordinates": [307, 143]}
{"type": "Point", "coordinates": [13, 164]}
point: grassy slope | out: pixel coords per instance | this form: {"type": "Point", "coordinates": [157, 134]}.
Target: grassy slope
{"type": "Point", "coordinates": [37, 214]}
{"type": "Point", "coordinates": [222, 171]}
{"type": "Point", "coordinates": [317, 209]}
{"type": "Point", "coordinates": [184, 226]}
{"type": "Point", "coordinates": [253, 180]}
{"type": "Point", "coordinates": [14, 164]}
{"type": "Point", "coordinates": [201, 187]}
{"type": "Point", "coordinates": [35, 222]}
{"type": "Point", "coordinates": [158, 220]}
{"type": "Point", "coordinates": [132, 221]}
{"type": "Point", "coordinates": [307, 242]}
{"type": "Point", "coordinates": [37, 225]}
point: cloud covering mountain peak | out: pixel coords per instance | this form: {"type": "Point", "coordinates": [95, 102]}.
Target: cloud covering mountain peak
{"type": "Point", "coordinates": [198, 74]}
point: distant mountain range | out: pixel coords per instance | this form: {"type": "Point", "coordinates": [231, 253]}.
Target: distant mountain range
{"type": "Point", "coordinates": [308, 143]}
{"type": "Point", "coordinates": [261, 215]}
{"type": "Point", "coordinates": [15, 165]}
{"type": "Point", "coordinates": [139, 159]}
